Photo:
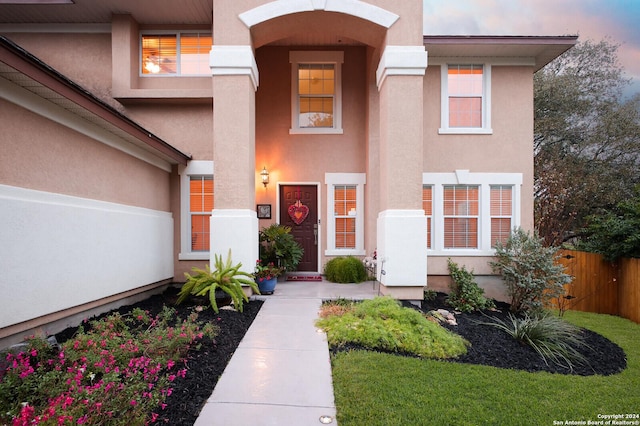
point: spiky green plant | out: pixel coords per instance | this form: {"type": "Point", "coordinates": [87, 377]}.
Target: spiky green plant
{"type": "Point", "coordinates": [225, 277]}
{"type": "Point", "coordinates": [553, 338]}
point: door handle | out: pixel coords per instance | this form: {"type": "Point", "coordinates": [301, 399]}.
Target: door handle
{"type": "Point", "coordinates": [315, 233]}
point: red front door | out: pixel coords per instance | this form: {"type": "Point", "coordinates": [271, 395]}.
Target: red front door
{"type": "Point", "coordinates": [306, 231]}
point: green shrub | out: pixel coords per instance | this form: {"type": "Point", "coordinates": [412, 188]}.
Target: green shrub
{"type": "Point", "coordinates": [347, 269]}
{"type": "Point", "coordinates": [278, 246]}
{"type": "Point", "coordinates": [465, 294]}
{"type": "Point", "coordinates": [530, 271]}
{"type": "Point", "coordinates": [224, 277]}
{"type": "Point", "coordinates": [552, 337]}
{"type": "Point", "coordinates": [383, 324]}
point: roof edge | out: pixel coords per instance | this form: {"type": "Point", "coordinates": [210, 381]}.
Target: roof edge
{"type": "Point", "coordinates": [38, 70]}
{"type": "Point", "coordinates": [499, 39]}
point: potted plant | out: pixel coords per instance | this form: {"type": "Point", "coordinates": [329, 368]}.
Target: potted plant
{"type": "Point", "coordinates": [278, 246]}
{"type": "Point", "coordinates": [267, 276]}
{"type": "Point", "coordinates": [225, 277]}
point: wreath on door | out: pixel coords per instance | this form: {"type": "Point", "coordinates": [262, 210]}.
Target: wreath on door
{"type": "Point", "coordinates": [298, 212]}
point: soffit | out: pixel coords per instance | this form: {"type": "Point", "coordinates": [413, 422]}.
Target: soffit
{"type": "Point", "coordinates": [65, 94]}
{"type": "Point", "coordinates": [100, 11]}
{"type": "Point", "coordinates": [542, 49]}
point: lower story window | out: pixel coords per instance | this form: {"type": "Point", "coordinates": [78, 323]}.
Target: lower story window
{"type": "Point", "coordinates": [201, 205]}
{"type": "Point", "coordinates": [196, 205]}
{"type": "Point", "coordinates": [501, 213]}
{"type": "Point", "coordinates": [345, 213]}
{"type": "Point", "coordinates": [468, 212]}
{"type": "Point", "coordinates": [461, 214]}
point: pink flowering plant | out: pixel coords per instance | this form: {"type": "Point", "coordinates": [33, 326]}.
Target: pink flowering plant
{"type": "Point", "coordinates": [119, 371]}
{"type": "Point", "coordinates": [268, 271]}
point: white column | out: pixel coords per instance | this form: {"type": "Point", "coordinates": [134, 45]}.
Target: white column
{"type": "Point", "coordinates": [234, 222]}
{"type": "Point", "coordinates": [401, 224]}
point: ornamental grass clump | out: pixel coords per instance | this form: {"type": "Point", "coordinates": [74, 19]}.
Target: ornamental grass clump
{"type": "Point", "coordinates": [117, 372]}
{"type": "Point", "coordinates": [551, 337]}
{"type": "Point", "coordinates": [383, 324]}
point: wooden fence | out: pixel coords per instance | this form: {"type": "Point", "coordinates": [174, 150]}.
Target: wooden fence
{"type": "Point", "coordinates": [602, 287]}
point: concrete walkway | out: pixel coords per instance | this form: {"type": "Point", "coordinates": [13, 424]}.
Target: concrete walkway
{"type": "Point", "coordinates": [281, 374]}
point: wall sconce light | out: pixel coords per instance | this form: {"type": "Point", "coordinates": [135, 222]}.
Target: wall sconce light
{"type": "Point", "coordinates": [264, 175]}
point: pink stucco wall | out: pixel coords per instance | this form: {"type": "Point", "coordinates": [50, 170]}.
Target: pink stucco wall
{"type": "Point", "coordinates": [40, 154]}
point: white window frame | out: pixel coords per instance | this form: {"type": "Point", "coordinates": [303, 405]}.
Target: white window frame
{"type": "Point", "coordinates": [178, 34]}
{"type": "Point", "coordinates": [484, 181]}
{"type": "Point", "coordinates": [316, 57]}
{"type": "Point", "coordinates": [486, 101]}
{"type": "Point", "coordinates": [331, 180]}
{"type": "Point", "coordinates": [194, 168]}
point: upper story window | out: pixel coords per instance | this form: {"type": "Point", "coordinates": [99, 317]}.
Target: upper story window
{"type": "Point", "coordinates": [175, 53]}
{"type": "Point", "coordinates": [466, 93]}
{"type": "Point", "coordinates": [316, 92]}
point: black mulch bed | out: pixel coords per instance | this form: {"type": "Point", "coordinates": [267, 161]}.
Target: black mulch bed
{"type": "Point", "coordinates": [493, 347]}
{"type": "Point", "coordinates": [489, 346]}
{"type": "Point", "coordinates": [204, 366]}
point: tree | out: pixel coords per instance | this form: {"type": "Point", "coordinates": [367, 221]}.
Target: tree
{"type": "Point", "coordinates": [586, 139]}
{"type": "Point", "coordinates": [616, 233]}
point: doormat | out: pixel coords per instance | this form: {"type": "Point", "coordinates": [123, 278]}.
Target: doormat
{"type": "Point", "coordinates": [304, 277]}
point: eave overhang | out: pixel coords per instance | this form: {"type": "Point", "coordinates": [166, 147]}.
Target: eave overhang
{"type": "Point", "coordinates": [25, 70]}
{"type": "Point", "coordinates": [540, 50]}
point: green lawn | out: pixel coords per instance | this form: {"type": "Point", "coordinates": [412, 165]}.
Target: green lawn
{"type": "Point", "coordinates": [383, 389]}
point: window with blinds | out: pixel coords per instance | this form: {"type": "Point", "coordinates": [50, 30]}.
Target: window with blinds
{"type": "Point", "coordinates": [200, 207]}
{"type": "Point", "coordinates": [345, 216]}
{"type": "Point", "coordinates": [461, 213]}
{"type": "Point", "coordinates": [175, 54]}
{"type": "Point", "coordinates": [427, 206]}
{"type": "Point", "coordinates": [465, 90]}
{"type": "Point", "coordinates": [501, 201]}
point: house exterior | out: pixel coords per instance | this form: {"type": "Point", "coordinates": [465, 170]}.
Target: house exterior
{"type": "Point", "coordinates": [136, 138]}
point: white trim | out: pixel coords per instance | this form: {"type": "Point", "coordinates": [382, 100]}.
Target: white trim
{"type": "Point", "coordinates": [234, 60]}
{"type": "Point", "coordinates": [358, 179]}
{"type": "Point", "coordinates": [34, 103]}
{"type": "Point", "coordinates": [516, 61]}
{"type": "Point", "coordinates": [357, 8]}
{"type": "Point", "coordinates": [56, 28]}
{"type": "Point", "coordinates": [484, 181]}
{"type": "Point", "coordinates": [194, 168]}
{"type": "Point", "coordinates": [319, 207]}
{"type": "Point", "coordinates": [401, 60]}
{"type": "Point", "coordinates": [486, 102]}
{"type": "Point", "coordinates": [316, 57]}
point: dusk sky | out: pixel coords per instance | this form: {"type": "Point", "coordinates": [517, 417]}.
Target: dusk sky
{"type": "Point", "coordinates": [589, 19]}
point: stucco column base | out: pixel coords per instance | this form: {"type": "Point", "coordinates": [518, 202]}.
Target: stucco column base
{"type": "Point", "coordinates": [402, 253]}
{"type": "Point", "coordinates": [235, 229]}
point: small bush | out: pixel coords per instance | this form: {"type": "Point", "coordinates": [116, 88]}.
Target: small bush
{"type": "Point", "coordinates": [382, 324]}
{"type": "Point", "coordinates": [465, 294]}
{"type": "Point", "coordinates": [552, 337]}
{"type": "Point", "coordinates": [529, 270]}
{"type": "Point", "coordinates": [347, 269]}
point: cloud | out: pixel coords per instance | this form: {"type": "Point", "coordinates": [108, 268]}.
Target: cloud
{"type": "Point", "coordinates": [590, 19]}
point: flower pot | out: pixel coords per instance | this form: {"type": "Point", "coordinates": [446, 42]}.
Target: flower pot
{"type": "Point", "coordinates": [267, 286]}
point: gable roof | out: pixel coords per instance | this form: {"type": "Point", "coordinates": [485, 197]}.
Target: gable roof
{"type": "Point", "coordinates": [25, 70]}
{"type": "Point", "coordinates": [541, 49]}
